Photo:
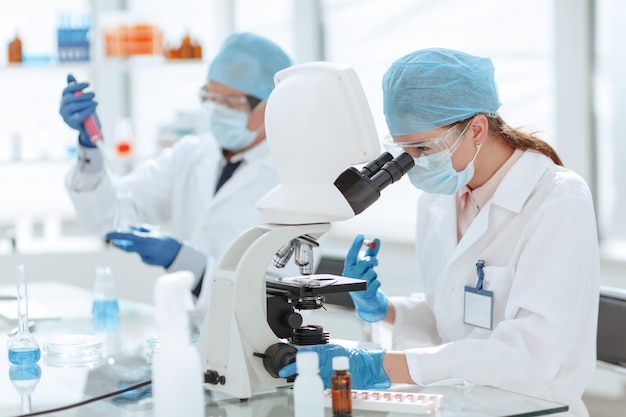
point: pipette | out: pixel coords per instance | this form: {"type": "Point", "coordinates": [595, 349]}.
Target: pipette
{"type": "Point", "coordinates": [90, 123]}
{"type": "Point", "coordinates": [91, 127]}
{"type": "Point", "coordinates": [95, 136]}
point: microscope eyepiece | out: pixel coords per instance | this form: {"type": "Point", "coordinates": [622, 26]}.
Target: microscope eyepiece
{"type": "Point", "coordinates": [393, 170]}
{"type": "Point", "coordinates": [362, 188]}
{"type": "Point", "coordinates": [373, 167]}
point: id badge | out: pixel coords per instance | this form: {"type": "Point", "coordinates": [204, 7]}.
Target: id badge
{"type": "Point", "coordinates": [478, 309]}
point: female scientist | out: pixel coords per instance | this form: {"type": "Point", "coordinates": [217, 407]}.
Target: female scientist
{"type": "Point", "coordinates": [506, 244]}
{"type": "Point", "coordinates": [204, 188]}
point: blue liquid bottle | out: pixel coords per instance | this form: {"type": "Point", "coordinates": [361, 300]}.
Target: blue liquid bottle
{"type": "Point", "coordinates": [105, 310]}
{"type": "Point", "coordinates": [23, 348]}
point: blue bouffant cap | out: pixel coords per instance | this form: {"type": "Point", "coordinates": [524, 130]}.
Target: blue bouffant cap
{"type": "Point", "coordinates": [436, 87]}
{"type": "Point", "coordinates": [247, 63]}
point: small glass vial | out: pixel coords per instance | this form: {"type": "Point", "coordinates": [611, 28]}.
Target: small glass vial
{"type": "Point", "coordinates": [308, 388]}
{"type": "Point", "coordinates": [341, 387]}
{"type": "Point", "coordinates": [368, 245]}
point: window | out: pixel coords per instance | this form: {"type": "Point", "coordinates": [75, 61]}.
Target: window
{"type": "Point", "coordinates": [610, 100]}
{"type": "Point", "coordinates": [369, 35]}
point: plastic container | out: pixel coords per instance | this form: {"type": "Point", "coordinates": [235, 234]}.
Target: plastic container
{"type": "Point", "coordinates": [176, 365]}
{"type": "Point", "coordinates": [391, 401]}
{"type": "Point", "coordinates": [308, 389]}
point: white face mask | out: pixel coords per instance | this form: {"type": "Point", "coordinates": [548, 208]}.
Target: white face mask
{"type": "Point", "coordinates": [435, 173]}
{"type": "Point", "coordinates": [229, 127]}
{"type": "Point", "coordinates": [443, 179]}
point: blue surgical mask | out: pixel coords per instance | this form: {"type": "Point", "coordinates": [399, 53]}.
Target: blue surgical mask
{"type": "Point", "coordinates": [435, 173]}
{"type": "Point", "coordinates": [229, 128]}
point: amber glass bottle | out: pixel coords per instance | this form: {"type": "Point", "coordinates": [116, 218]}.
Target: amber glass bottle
{"type": "Point", "coordinates": [341, 387]}
{"type": "Point", "coordinates": [15, 50]}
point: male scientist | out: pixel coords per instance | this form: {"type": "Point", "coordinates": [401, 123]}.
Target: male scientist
{"type": "Point", "coordinates": [203, 188]}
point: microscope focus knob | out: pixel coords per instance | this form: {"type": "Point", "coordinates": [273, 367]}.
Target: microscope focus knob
{"type": "Point", "coordinates": [277, 356]}
{"type": "Point", "coordinates": [293, 320]}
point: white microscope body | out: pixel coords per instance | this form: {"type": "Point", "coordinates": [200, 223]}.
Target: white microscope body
{"type": "Point", "coordinates": [318, 123]}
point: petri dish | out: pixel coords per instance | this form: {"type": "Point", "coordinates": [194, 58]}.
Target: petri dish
{"type": "Point", "coordinates": [72, 350]}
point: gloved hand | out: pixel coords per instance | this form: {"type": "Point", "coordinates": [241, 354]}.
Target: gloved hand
{"type": "Point", "coordinates": [366, 366]}
{"type": "Point", "coordinates": [75, 109]}
{"type": "Point", "coordinates": [371, 304]}
{"type": "Point", "coordinates": [154, 248]}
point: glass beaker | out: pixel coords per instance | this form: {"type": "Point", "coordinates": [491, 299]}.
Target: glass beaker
{"type": "Point", "coordinates": [125, 215]}
{"type": "Point", "coordinates": [23, 348]}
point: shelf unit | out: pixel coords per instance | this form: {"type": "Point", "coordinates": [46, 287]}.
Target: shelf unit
{"type": "Point", "coordinates": [37, 148]}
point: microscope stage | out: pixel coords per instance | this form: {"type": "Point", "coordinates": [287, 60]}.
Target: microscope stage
{"type": "Point", "coordinates": [316, 284]}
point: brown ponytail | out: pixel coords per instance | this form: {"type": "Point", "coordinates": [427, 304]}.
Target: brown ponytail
{"type": "Point", "coordinates": [522, 140]}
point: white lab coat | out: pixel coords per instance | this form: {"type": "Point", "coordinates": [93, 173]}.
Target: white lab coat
{"type": "Point", "coordinates": [176, 189]}
{"type": "Point", "coordinates": [538, 238]}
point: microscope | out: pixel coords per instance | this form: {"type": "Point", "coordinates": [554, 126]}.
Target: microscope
{"type": "Point", "coordinates": [318, 126]}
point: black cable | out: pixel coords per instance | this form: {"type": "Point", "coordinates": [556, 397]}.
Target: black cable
{"type": "Point", "coordinates": [91, 400]}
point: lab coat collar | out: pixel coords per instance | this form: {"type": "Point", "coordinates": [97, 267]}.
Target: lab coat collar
{"type": "Point", "coordinates": [516, 186]}
{"type": "Point", "coordinates": [512, 193]}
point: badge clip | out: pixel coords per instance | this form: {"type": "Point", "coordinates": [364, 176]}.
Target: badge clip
{"type": "Point", "coordinates": [478, 302]}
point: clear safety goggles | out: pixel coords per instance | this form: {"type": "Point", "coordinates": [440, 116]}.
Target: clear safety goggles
{"type": "Point", "coordinates": [240, 103]}
{"type": "Point", "coordinates": [447, 141]}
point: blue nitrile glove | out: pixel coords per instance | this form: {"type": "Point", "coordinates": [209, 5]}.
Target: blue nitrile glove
{"type": "Point", "coordinates": [371, 304]}
{"type": "Point", "coordinates": [154, 248]}
{"type": "Point", "coordinates": [75, 109]}
{"type": "Point", "coordinates": [366, 366]}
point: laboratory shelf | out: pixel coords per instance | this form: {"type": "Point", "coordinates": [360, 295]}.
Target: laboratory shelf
{"type": "Point", "coordinates": [28, 68]}
{"type": "Point", "coordinates": [134, 62]}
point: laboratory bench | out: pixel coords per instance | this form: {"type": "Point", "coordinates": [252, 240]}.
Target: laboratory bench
{"type": "Point", "coordinates": [60, 309]}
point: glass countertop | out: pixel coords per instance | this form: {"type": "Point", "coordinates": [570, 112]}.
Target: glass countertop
{"type": "Point", "coordinates": [125, 362]}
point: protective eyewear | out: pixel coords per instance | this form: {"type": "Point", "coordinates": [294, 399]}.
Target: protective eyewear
{"type": "Point", "coordinates": [447, 141]}
{"type": "Point", "coordinates": [240, 103]}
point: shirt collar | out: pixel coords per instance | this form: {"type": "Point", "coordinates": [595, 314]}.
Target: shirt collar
{"type": "Point", "coordinates": [482, 194]}
{"type": "Point", "coordinates": [256, 151]}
